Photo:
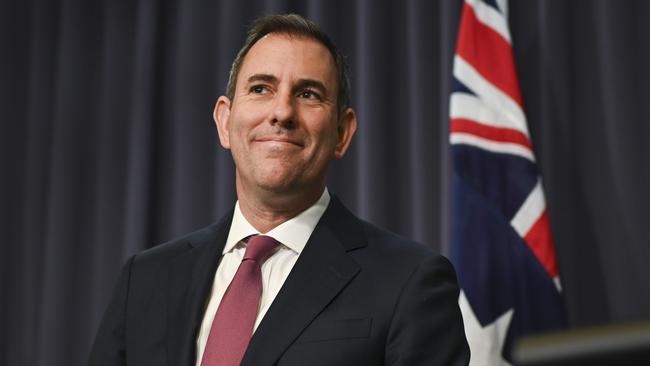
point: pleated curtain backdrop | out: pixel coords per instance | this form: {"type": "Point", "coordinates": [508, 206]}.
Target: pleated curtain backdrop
{"type": "Point", "coordinates": [107, 144]}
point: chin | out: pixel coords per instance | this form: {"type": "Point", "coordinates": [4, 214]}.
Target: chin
{"type": "Point", "coordinates": [277, 182]}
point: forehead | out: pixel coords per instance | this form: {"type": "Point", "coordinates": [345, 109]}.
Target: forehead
{"type": "Point", "coordinates": [289, 56]}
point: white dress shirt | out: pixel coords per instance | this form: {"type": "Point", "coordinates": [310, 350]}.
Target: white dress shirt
{"type": "Point", "coordinates": [292, 234]}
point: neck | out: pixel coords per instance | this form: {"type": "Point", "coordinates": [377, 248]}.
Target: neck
{"type": "Point", "coordinates": [267, 210]}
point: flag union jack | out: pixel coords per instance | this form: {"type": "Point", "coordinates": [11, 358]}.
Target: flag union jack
{"type": "Point", "coordinates": [502, 245]}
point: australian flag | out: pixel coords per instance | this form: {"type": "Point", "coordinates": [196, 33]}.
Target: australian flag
{"type": "Point", "coordinates": [502, 245]}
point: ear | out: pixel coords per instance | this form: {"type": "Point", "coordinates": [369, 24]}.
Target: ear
{"type": "Point", "coordinates": [221, 117]}
{"type": "Point", "coordinates": [347, 128]}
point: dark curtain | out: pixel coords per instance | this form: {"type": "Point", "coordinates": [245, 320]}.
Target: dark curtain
{"type": "Point", "coordinates": [107, 144]}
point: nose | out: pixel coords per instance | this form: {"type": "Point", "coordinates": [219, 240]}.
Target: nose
{"type": "Point", "coordinates": [283, 112]}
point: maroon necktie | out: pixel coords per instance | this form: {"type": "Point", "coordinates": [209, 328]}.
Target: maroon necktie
{"type": "Point", "coordinates": [233, 323]}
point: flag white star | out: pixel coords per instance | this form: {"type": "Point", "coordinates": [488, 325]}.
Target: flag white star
{"type": "Point", "coordinates": [485, 342]}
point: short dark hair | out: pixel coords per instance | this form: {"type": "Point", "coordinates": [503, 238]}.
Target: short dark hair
{"type": "Point", "coordinates": [292, 25]}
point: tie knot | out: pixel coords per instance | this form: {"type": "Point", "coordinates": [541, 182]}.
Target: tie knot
{"type": "Point", "coordinates": [259, 248]}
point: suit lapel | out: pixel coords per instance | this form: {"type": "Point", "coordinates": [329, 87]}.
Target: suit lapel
{"type": "Point", "coordinates": [191, 278]}
{"type": "Point", "coordinates": [321, 272]}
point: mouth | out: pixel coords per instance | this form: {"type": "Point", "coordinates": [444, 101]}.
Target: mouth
{"type": "Point", "coordinates": [279, 140]}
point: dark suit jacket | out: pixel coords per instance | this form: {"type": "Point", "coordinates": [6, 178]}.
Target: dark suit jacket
{"type": "Point", "coordinates": [357, 295]}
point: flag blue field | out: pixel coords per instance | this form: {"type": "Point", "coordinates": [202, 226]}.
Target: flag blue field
{"type": "Point", "coordinates": [502, 245]}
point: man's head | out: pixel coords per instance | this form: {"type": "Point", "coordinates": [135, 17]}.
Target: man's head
{"type": "Point", "coordinates": [282, 118]}
{"type": "Point", "coordinates": [296, 26]}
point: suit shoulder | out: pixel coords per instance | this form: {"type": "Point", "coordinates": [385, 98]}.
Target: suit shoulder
{"type": "Point", "coordinates": [394, 245]}
{"type": "Point", "coordinates": [170, 249]}
{"type": "Point", "coordinates": [381, 244]}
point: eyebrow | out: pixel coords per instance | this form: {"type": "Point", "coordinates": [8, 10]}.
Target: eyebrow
{"type": "Point", "coordinates": [262, 77]}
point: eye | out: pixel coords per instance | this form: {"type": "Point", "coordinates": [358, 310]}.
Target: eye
{"type": "Point", "coordinates": [309, 94]}
{"type": "Point", "coordinates": [258, 89]}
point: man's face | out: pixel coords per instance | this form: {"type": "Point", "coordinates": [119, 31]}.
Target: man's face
{"type": "Point", "coordinates": [282, 124]}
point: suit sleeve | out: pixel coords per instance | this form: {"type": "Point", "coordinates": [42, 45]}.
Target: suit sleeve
{"type": "Point", "coordinates": [109, 348]}
{"type": "Point", "coordinates": [427, 326]}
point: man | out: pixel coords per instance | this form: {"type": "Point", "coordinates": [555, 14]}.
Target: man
{"type": "Point", "coordinates": [328, 288]}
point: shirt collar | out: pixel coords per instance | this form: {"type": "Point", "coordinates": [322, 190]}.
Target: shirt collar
{"type": "Point", "coordinates": [293, 233]}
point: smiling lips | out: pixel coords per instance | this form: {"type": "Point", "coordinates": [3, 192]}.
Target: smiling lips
{"type": "Point", "coordinates": [278, 139]}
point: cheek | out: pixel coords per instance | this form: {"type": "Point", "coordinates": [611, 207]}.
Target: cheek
{"type": "Point", "coordinates": [321, 125]}
{"type": "Point", "coordinates": [330, 135]}
{"type": "Point", "coordinates": [242, 123]}
{"type": "Point", "coordinates": [325, 143]}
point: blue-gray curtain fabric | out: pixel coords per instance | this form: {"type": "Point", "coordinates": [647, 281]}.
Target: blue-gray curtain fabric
{"type": "Point", "coordinates": [107, 144]}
